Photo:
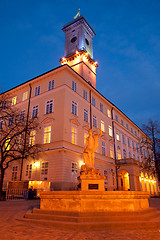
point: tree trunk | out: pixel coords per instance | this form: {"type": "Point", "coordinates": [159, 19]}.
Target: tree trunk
{"type": "Point", "coordinates": [1, 182]}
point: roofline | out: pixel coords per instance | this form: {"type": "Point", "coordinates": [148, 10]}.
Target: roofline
{"type": "Point", "coordinates": [66, 65]}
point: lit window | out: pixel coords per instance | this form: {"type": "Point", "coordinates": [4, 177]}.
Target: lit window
{"type": "Point", "coordinates": [101, 107]}
{"type": "Point", "coordinates": [74, 86]}
{"type": "Point", "coordinates": [103, 149]}
{"type": "Point", "coordinates": [85, 137]}
{"type": "Point", "coordinates": [74, 108]}
{"type": "Point", "coordinates": [123, 139]}
{"type": "Point", "coordinates": [35, 112]}
{"type": "Point", "coordinates": [85, 115]}
{"type": "Point", "coordinates": [116, 118]}
{"type": "Point", "coordinates": [47, 134]}
{"type": "Point", "coordinates": [28, 170]}
{"type": "Point", "coordinates": [37, 91]}
{"type": "Point", "coordinates": [111, 151]}
{"type": "Point", "coordinates": [7, 144]}
{"type": "Point", "coordinates": [1, 123]}
{"type": "Point", "coordinates": [25, 96]}
{"type": "Point", "coordinates": [109, 113]}
{"type": "Point", "coordinates": [84, 94]}
{"type": "Point", "coordinates": [122, 122]}
{"type": "Point", "coordinates": [106, 174]}
{"type": "Point", "coordinates": [93, 101]}
{"type": "Point", "coordinates": [22, 116]}
{"type": "Point", "coordinates": [50, 85]}
{"type": "Point", "coordinates": [124, 154]}
{"type": "Point", "coordinates": [74, 135]}
{"type": "Point", "coordinates": [49, 106]}
{"type": "Point", "coordinates": [129, 143]}
{"type": "Point", "coordinates": [10, 120]}
{"type": "Point", "coordinates": [14, 100]}
{"type": "Point", "coordinates": [44, 170]}
{"type": "Point", "coordinates": [110, 130]}
{"type": "Point", "coordinates": [102, 126]}
{"type": "Point", "coordinates": [14, 173]}
{"type": "Point", "coordinates": [74, 168]}
{"type": "Point", "coordinates": [117, 136]}
{"type": "Point", "coordinates": [32, 138]}
{"type": "Point", "coordinates": [118, 153]}
{"type": "Point", "coordinates": [94, 121]}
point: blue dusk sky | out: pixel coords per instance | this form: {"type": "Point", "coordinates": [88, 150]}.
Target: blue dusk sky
{"type": "Point", "coordinates": [126, 46]}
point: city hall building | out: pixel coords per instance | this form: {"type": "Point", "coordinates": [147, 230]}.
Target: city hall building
{"type": "Point", "coordinates": [66, 103]}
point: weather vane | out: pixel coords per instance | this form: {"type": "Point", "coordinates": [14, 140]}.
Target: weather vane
{"type": "Point", "coordinates": [78, 14]}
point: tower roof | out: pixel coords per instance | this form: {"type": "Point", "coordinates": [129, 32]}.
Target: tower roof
{"type": "Point", "coordinates": [76, 20]}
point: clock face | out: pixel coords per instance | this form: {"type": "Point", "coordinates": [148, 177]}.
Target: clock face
{"type": "Point", "coordinates": [87, 42]}
{"type": "Point", "coordinates": [73, 39]}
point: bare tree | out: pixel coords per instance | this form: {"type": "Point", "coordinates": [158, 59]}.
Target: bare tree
{"type": "Point", "coordinates": [16, 142]}
{"type": "Point", "coordinates": [152, 144]}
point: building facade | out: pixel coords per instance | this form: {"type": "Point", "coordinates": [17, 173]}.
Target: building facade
{"type": "Point", "coordinates": [66, 103]}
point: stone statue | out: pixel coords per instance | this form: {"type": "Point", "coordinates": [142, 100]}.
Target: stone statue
{"type": "Point", "coordinates": [90, 147]}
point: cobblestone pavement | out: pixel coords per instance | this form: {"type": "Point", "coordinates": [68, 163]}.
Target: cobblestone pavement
{"type": "Point", "coordinates": [11, 229]}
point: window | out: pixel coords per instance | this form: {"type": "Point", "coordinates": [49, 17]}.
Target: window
{"type": "Point", "coordinates": [132, 144]}
{"type": "Point", "coordinates": [137, 147]}
{"type": "Point", "coordinates": [116, 118]}
{"type": "Point", "coordinates": [85, 137]}
{"type": "Point", "coordinates": [123, 139]}
{"type": "Point", "coordinates": [103, 149]}
{"type": "Point", "coordinates": [37, 91]}
{"type": "Point", "coordinates": [93, 101]}
{"type": "Point", "coordinates": [130, 155]}
{"type": "Point", "coordinates": [74, 135]}
{"type": "Point", "coordinates": [3, 104]}
{"type": "Point", "coordinates": [135, 133]}
{"type": "Point", "coordinates": [118, 152]}
{"type": "Point", "coordinates": [29, 170]}
{"type": "Point", "coordinates": [122, 122]}
{"type": "Point", "coordinates": [14, 100]}
{"type": "Point", "coordinates": [94, 121]}
{"type": "Point", "coordinates": [32, 138]}
{"type": "Point", "coordinates": [74, 108]}
{"type": "Point", "coordinates": [49, 106]}
{"type": "Point", "coordinates": [1, 123]}
{"type": "Point", "coordinates": [127, 126]}
{"type": "Point", "coordinates": [22, 116]}
{"type": "Point", "coordinates": [47, 134]}
{"type": "Point", "coordinates": [74, 168]}
{"type": "Point", "coordinates": [74, 86]}
{"type": "Point", "coordinates": [117, 136]}
{"type": "Point", "coordinates": [106, 174]}
{"type": "Point", "coordinates": [111, 151]}
{"type": "Point", "coordinates": [129, 143]}
{"type": "Point", "coordinates": [109, 113]}
{"type": "Point", "coordinates": [84, 94]}
{"type": "Point", "coordinates": [50, 85]}
{"type": "Point", "coordinates": [144, 152]}
{"type": "Point", "coordinates": [102, 126]}
{"type": "Point", "coordinates": [132, 130]}
{"type": "Point", "coordinates": [25, 96]}
{"type": "Point", "coordinates": [35, 112]}
{"type": "Point", "coordinates": [124, 154]}
{"type": "Point", "coordinates": [134, 157]}
{"type": "Point", "coordinates": [85, 115]}
{"type": "Point", "coordinates": [44, 170]}
{"type": "Point", "coordinates": [10, 120]}
{"type": "Point", "coordinates": [101, 107]}
{"type": "Point", "coordinates": [110, 130]}
{"type": "Point", "coordinates": [7, 144]}
{"type": "Point", "coordinates": [14, 173]}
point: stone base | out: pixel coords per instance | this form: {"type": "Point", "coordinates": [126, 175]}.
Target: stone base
{"type": "Point", "coordinates": [94, 201]}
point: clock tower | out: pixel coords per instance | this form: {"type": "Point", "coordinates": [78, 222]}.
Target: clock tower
{"type": "Point", "coordinates": [79, 49]}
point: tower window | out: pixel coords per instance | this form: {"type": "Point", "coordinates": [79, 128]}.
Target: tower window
{"type": "Point", "coordinates": [87, 42]}
{"type": "Point", "coordinates": [73, 39]}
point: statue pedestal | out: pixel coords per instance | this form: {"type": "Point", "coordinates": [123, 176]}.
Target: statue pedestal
{"type": "Point", "coordinates": [91, 179]}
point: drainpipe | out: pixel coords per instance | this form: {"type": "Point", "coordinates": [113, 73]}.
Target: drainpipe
{"type": "Point", "coordinates": [26, 128]}
{"type": "Point", "coordinates": [115, 154]}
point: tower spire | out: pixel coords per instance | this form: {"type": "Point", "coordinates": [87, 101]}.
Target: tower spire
{"type": "Point", "coordinates": [78, 14]}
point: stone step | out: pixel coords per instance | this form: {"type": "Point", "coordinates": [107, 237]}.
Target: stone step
{"type": "Point", "coordinates": [96, 226]}
{"type": "Point", "coordinates": [106, 218]}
